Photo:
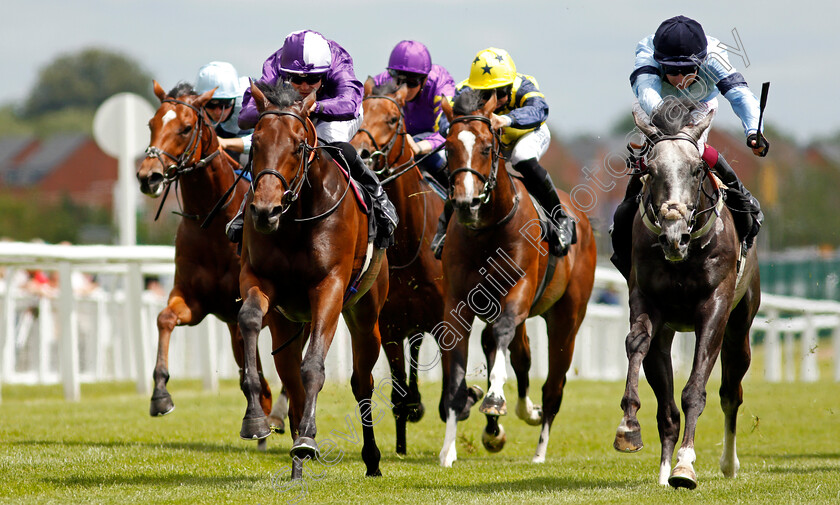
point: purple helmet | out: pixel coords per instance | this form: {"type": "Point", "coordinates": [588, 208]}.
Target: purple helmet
{"type": "Point", "coordinates": [410, 56]}
{"type": "Point", "coordinates": [305, 52]}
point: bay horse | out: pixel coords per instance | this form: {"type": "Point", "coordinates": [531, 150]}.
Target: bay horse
{"type": "Point", "coordinates": [687, 274]}
{"type": "Point", "coordinates": [415, 274]}
{"type": "Point", "coordinates": [495, 268]}
{"type": "Point", "coordinates": [306, 255]}
{"type": "Point", "coordinates": [184, 150]}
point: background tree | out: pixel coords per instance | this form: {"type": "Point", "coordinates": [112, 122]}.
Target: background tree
{"type": "Point", "coordinates": [83, 80]}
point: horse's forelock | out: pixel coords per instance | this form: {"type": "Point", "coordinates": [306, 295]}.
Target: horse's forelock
{"type": "Point", "coordinates": [467, 102]}
{"type": "Point", "coordinates": [281, 94]}
{"type": "Point", "coordinates": [386, 88]}
{"type": "Point", "coordinates": [181, 89]}
{"type": "Point", "coordinates": [673, 115]}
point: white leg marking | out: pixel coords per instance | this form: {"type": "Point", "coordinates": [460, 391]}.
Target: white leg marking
{"type": "Point", "coordinates": [664, 473]}
{"type": "Point", "coordinates": [729, 463]}
{"type": "Point", "coordinates": [468, 139]}
{"type": "Point", "coordinates": [528, 412]}
{"type": "Point", "coordinates": [498, 375]}
{"type": "Point", "coordinates": [542, 445]}
{"type": "Point", "coordinates": [448, 453]}
{"type": "Point", "coordinates": [169, 116]}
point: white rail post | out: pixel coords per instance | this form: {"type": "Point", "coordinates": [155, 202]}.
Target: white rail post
{"type": "Point", "coordinates": [134, 327]}
{"type": "Point", "coordinates": [209, 355]}
{"type": "Point", "coordinates": [810, 371]}
{"type": "Point", "coordinates": [8, 327]}
{"type": "Point", "coordinates": [789, 362]}
{"type": "Point", "coordinates": [772, 348]}
{"type": "Point", "coordinates": [46, 334]}
{"type": "Point", "coordinates": [68, 339]}
{"type": "Point", "coordinates": [836, 343]}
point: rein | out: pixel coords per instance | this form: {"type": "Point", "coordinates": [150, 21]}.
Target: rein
{"type": "Point", "coordinates": [309, 152]}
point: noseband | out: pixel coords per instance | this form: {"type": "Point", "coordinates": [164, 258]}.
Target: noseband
{"type": "Point", "coordinates": [489, 182]}
{"type": "Point", "coordinates": [646, 207]}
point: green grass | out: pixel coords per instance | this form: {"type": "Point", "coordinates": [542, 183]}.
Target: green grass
{"type": "Point", "coordinates": [106, 449]}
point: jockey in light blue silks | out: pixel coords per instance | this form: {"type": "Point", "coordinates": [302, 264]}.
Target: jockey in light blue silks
{"type": "Point", "coordinates": [520, 114]}
{"type": "Point", "coordinates": [223, 109]}
{"type": "Point", "coordinates": [680, 61]}
{"type": "Point", "coordinates": [309, 62]}
{"type": "Point", "coordinates": [411, 64]}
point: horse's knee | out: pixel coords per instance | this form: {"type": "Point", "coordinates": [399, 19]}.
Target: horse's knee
{"type": "Point", "coordinates": [167, 320]}
{"type": "Point", "coordinates": [250, 318]}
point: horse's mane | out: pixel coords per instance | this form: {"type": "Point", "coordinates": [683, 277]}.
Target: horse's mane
{"type": "Point", "coordinates": [281, 94]}
{"type": "Point", "coordinates": [181, 89]}
{"type": "Point", "coordinates": [386, 88]}
{"type": "Point", "coordinates": [673, 114]}
{"type": "Point", "coordinates": [467, 102]}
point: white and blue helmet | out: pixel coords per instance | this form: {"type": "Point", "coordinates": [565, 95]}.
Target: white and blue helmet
{"type": "Point", "coordinates": [220, 75]}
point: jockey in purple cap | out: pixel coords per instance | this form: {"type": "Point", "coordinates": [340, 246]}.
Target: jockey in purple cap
{"type": "Point", "coordinates": [680, 61]}
{"type": "Point", "coordinates": [428, 84]}
{"type": "Point", "coordinates": [311, 63]}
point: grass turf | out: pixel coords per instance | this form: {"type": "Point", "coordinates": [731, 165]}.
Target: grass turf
{"type": "Point", "coordinates": [106, 449]}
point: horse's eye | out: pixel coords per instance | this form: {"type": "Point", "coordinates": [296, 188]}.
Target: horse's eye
{"type": "Point", "coordinates": [187, 129]}
{"type": "Point", "coordinates": [486, 151]}
{"type": "Point", "coordinates": [393, 120]}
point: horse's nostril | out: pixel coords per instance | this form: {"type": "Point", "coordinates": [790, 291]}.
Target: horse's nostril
{"type": "Point", "coordinates": [276, 211]}
{"type": "Point", "coordinates": [475, 202]}
{"type": "Point", "coordinates": [253, 209]}
{"type": "Point", "coordinates": [663, 240]}
{"type": "Point", "coordinates": [364, 154]}
{"type": "Point", "coordinates": [685, 238]}
{"type": "Point", "coordinates": [155, 178]}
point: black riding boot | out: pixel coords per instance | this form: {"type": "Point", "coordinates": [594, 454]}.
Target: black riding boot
{"type": "Point", "coordinates": [234, 228]}
{"type": "Point", "coordinates": [540, 185]}
{"type": "Point", "coordinates": [383, 210]}
{"type": "Point", "coordinates": [621, 232]}
{"type": "Point", "coordinates": [440, 234]}
{"type": "Point", "coordinates": [746, 211]}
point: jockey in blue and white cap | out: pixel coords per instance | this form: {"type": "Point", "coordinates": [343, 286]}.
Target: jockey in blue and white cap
{"type": "Point", "coordinates": [223, 109]}
{"type": "Point", "coordinates": [311, 63]}
{"type": "Point", "coordinates": [680, 61]}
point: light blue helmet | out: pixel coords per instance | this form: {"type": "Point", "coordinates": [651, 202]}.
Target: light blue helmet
{"type": "Point", "coordinates": [220, 75]}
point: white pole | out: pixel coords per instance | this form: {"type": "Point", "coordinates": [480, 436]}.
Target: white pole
{"type": "Point", "coordinates": [133, 299]}
{"type": "Point", "coordinates": [809, 371]}
{"type": "Point", "coordinates": [68, 338]}
{"type": "Point", "coordinates": [126, 177]}
{"type": "Point", "coordinates": [210, 358]}
{"type": "Point", "coordinates": [46, 334]}
{"type": "Point", "coordinates": [772, 348]}
{"type": "Point", "coordinates": [8, 327]}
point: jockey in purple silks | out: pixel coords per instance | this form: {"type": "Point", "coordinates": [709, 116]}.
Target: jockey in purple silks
{"type": "Point", "coordinates": [680, 61]}
{"type": "Point", "coordinates": [428, 84]}
{"type": "Point", "coordinates": [312, 63]}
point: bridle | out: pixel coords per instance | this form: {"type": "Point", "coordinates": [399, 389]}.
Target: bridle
{"type": "Point", "coordinates": [308, 153]}
{"type": "Point", "coordinates": [646, 206]}
{"type": "Point", "coordinates": [385, 151]}
{"type": "Point", "coordinates": [183, 163]}
{"type": "Point", "coordinates": [489, 182]}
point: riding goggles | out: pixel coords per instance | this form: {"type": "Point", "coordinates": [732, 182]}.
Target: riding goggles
{"type": "Point", "coordinates": [306, 78]}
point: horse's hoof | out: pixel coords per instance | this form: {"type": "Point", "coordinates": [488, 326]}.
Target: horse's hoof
{"type": "Point", "coordinates": [161, 405]}
{"type": "Point", "coordinates": [262, 444]}
{"type": "Point", "coordinates": [494, 443]}
{"type": "Point", "coordinates": [628, 441]}
{"type": "Point", "coordinates": [277, 424]}
{"type": "Point", "coordinates": [683, 477]}
{"type": "Point", "coordinates": [375, 473]}
{"type": "Point", "coordinates": [415, 412]}
{"type": "Point", "coordinates": [254, 429]}
{"type": "Point", "coordinates": [305, 447]}
{"type": "Point", "coordinates": [493, 406]}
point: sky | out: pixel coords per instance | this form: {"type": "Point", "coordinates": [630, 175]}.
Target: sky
{"type": "Point", "coordinates": [581, 52]}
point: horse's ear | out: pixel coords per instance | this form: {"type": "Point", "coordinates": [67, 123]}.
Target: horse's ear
{"type": "Point", "coordinates": [259, 98]}
{"type": "Point", "coordinates": [696, 131]}
{"type": "Point", "coordinates": [489, 106]}
{"type": "Point", "coordinates": [159, 92]}
{"type": "Point", "coordinates": [402, 91]}
{"type": "Point", "coordinates": [369, 83]}
{"type": "Point", "coordinates": [204, 98]}
{"type": "Point", "coordinates": [307, 103]}
{"type": "Point", "coordinates": [446, 107]}
{"type": "Point", "coordinates": [647, 129]}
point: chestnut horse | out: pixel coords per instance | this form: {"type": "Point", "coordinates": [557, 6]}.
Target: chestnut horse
{"type": "Point", "coordinates": [184, 150]}
{"type": "Point", "coordinates": [700, 283]}
{"type": "Point", "coordinates": [415, 295]}
{"type": "Point", "coordinates": [494, 268]}
{"type": "Point", "coordinates": [306, 255]}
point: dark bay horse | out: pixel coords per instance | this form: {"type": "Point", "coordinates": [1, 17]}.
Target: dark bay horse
{"type": "Point", "coordinates": [184, 150]}
{"type": "Point", "coordinates": [494, 267]}
{"type": "Point", "coordinates": [687, 275]}
{"type": "Point", "coordinates": [415, 294]}
{"type": "Point", "coordinates": [306, 255]}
